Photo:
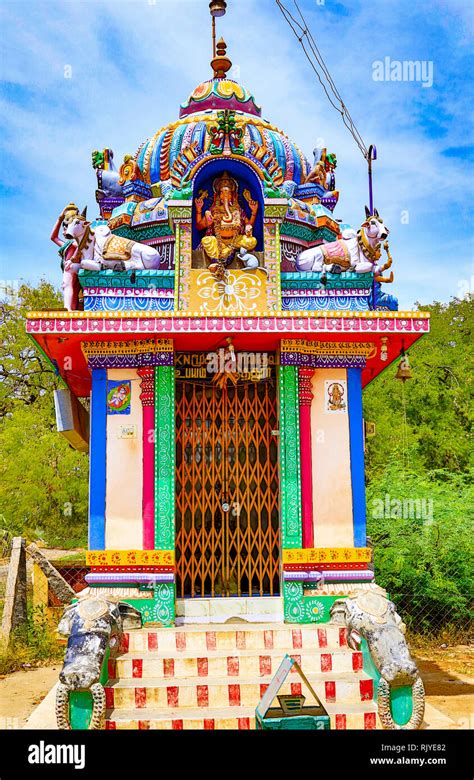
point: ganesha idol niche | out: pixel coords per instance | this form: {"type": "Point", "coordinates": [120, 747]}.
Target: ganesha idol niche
{"type": "Point", "coordinates": [229, 230]}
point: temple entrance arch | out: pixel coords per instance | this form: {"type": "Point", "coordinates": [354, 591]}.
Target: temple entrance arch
{"type": "Point", "coordinates": [227, 489]}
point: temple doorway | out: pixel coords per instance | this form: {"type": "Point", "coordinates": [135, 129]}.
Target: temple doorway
{"type": "Point", "coordinates": [227, 489]}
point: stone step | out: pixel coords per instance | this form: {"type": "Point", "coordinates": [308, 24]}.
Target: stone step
{"type": "Point", "coordinates": [236, 636]}
{"type": "Point", "coordinates": [331, 687]}
{"type": "Point", "coordinates": [350, 716]}
{"type": "Point", "coordinates": [222, 663]}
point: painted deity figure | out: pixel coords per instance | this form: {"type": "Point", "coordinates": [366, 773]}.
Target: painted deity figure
{"type": "Point", "coordinates": [67, 250]}
{"type": "Point", "coordinates": [228, 227]}
{"type": "Point", "coordinates": [336, 394]}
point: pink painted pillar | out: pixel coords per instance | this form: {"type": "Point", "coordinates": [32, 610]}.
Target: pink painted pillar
{"type": "Point", "coordinates": [305, 399]}
{"type": "Point", "coordinates": [147, 397]}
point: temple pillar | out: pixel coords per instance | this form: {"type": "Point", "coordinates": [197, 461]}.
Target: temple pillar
{"type": "Point", "coordinates": [147, 397]}
{"type": "Point", "coordinates": [164, 473]}
{"type": "Point", "coordinates": [164, 457]}
{"type": "Point", "coordinates": [180, 213]}
{"type": "Point", "coordinates": [305, 397]}
{"type": "Point", "coordinates": [290, 484]}
{"type": "Point", "coordinates": [132, 473]}
{"type": "Point", "coordinates": [274, 214]}
{"type": "Point", "coordinates": [97, 462]}
{"type": "Point", "coordinates": [356, 440]}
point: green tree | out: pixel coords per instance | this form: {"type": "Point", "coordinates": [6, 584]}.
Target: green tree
{"type": "Point", "coordinates": [43, 481]}
{"type": "Point", "coordinates": [420, 461]}
{"type": "Point", "coordinates": [438, 401]}
{"type": "Point", "coordinates": [422, 531]}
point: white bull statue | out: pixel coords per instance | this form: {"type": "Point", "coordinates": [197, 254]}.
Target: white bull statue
{"type": "Point", "coordinates": [355, 251]}
{"type": "Point", "coordinates": [100, 249]}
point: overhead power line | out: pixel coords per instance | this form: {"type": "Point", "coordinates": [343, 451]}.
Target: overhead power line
{"type": "Point", "coordinates": [315, 59]}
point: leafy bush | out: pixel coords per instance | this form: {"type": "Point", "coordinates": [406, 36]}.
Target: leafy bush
{"type": "Point", "coordinates": [423, 450]}
{"type": "Point", "coordinates": [422, 532]}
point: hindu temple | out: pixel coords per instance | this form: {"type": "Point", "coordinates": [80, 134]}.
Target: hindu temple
{"type": "Point", "coordinates": [220, 325]}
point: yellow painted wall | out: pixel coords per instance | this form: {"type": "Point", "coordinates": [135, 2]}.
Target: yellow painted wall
{"type": "Point", "coordinates": [242, 291]}
{"type": "Point", "coordinates": [332, 493]}
{"type": "Point", "coordinates": [123, 513]}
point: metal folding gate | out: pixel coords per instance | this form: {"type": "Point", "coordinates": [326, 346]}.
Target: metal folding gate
{"type": "Point", "coordinates": [227, 490]}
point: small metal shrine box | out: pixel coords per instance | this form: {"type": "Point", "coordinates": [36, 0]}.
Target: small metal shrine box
{"type": "Point", "coordinates": [292, 714]}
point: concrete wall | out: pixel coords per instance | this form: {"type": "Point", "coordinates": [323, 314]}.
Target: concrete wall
{"type": "Point", "coordinates": [123, 523]}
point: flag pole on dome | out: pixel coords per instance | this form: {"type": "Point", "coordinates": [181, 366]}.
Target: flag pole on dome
{"type": "Point", "coordinates": [216, 8]}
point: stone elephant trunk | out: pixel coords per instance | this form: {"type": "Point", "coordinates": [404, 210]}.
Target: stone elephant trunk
{"type": "Point", "coordinates": [372, 616]}
{"type": "Point", "coordinates": [93, 625]}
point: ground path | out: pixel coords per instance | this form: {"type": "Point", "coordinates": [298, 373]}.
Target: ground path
{"type": "Point", "coordinates": [450, 694]}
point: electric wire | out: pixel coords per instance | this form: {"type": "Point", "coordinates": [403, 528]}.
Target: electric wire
{"type": "Point", "coordinates": [315, 59]}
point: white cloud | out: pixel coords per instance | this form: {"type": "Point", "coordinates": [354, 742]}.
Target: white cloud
{"type": "Point", "coordinates": [134, 62]}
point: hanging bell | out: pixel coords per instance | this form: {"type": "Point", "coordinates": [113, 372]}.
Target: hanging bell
{"type": "Point", "coordinates": [404, 369]}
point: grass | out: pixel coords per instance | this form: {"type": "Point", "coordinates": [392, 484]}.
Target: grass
{"type": "Point", "coordinates": [35, 643]}
{"type": "Point", "coordinates": [75, 557]}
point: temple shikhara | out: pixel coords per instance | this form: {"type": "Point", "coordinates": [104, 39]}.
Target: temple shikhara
{"type": "Point", "coordinates": [220, 324]}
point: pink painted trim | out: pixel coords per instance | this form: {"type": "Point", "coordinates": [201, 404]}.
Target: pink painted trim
{"type": "Point", "coordinates": [306, 476]}
{"type": "Point", "coordinates": [147, 397]}
{"type": "Point", "coordinates": [305, 398]}
{"type": "Point", "coordinates": [148, 481]}
{"type": "Point", "coordinates": [291, 322]}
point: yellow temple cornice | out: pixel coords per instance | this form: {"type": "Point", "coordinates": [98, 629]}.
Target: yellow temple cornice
{"type": "Point", "coordinates": [291, 315]}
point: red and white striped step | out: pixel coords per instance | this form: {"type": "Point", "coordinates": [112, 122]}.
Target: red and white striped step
{"type": "Point", "coordinates": [248, 637]}
{"type": "Point", "coordinates": [220, 663]}
{"type": "Point", "coordinates": [212, 677]}
{"type": "Point", "coordinates": [351, 716]}
{"type": "Point", "coordinates": [220, 692]}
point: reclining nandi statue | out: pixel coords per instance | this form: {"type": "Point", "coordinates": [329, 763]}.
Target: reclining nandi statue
{"type": "Point", "coordinates": [91, 625]}
{"type": "Point", "coordinates": [355, 251]}
{"type": "Point", "coordinates": [369, 614]}
{"type": "Point", "coordinates": [100, 249]}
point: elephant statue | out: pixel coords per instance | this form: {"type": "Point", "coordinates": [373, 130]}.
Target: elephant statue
{"type": "Point", "coordinates": [371, 615]}
{"type": "Point", "coordinates": [92, 624]}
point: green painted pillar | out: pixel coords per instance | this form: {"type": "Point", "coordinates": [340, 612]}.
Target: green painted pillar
{"type": "Point", "coordinates": [290, 484]}
{"type": "Point", "coordinates": [165, 484]}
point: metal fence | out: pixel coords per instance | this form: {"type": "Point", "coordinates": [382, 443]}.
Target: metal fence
{"type": "Point", "coordinates": [447, 617]}
{"type": "Point", "coordinates": [42, 595]}
{"type": "Point", "coordinates": [437, 620]}
{"type": "Point", "coordinates": [75, 576]}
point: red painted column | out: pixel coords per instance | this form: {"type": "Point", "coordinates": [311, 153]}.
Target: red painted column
{"type": "Point", "coordinates": [305, 399]}
{"type": "Point", "coordinates": [147, 397]}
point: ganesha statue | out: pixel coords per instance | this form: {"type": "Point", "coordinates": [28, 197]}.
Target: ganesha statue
{"type": "Point", "coordinates": [229, 229]}
{"type": "Point", "coordinates": [371, 616]}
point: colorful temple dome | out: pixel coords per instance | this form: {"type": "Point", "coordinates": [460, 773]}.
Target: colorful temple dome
{"type": "Point", "coordinates": [220, 94]}
{"type": "Point", "coordinates": [220, 127]}
{"type": "Point", "coordinates": [194, 133]}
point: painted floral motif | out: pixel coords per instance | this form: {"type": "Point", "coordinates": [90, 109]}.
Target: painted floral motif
{"type": "Point", "coordinates": [317, 610]}
{"type": "Point", "coordinates": [233, 292]}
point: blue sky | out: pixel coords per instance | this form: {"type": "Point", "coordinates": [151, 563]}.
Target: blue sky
{"type": "Point", "coordinates": [134, 61]}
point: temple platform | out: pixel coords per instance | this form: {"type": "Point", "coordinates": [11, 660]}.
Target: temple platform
{"type": "Point", "coordinates": [198, 677]}
{"type": "Point", "coordinates": [267, 609]}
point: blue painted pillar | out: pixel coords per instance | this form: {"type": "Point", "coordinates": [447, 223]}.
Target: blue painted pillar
{"type": "Point", "coordinates": [97, 463]}
{"type": "Point", "coordinates": [356, 440]}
